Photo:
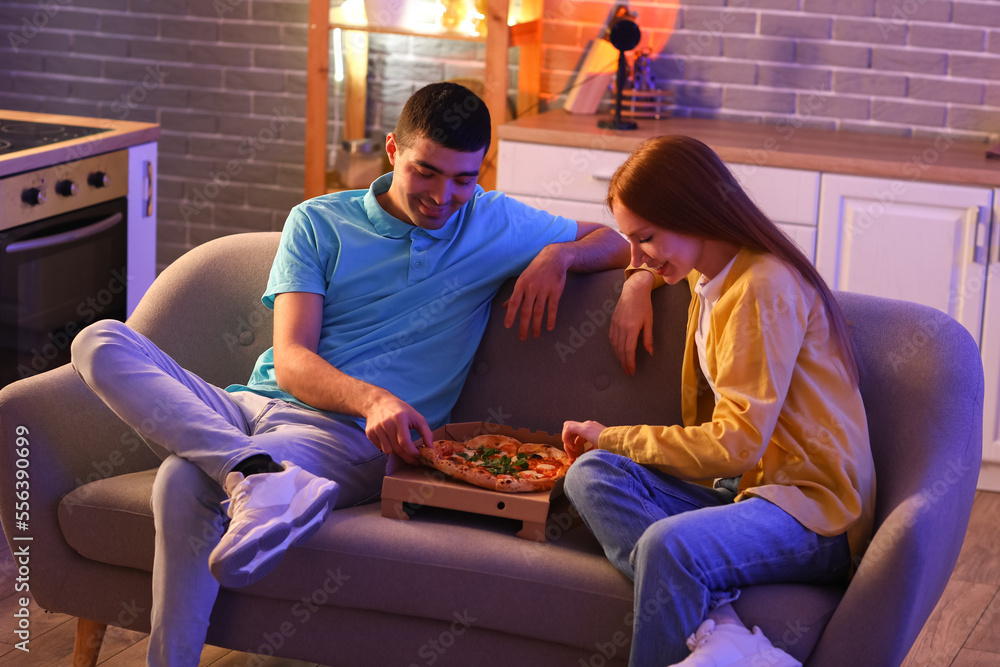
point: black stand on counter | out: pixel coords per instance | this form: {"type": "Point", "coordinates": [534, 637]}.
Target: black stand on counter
{"type": "Point", "coordinates": [624, 35]}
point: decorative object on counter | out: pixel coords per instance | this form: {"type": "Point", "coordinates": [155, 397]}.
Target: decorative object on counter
{"type": "Point", "coordinates": [642, 72]}
{"type": "Point", "coordinates": [594, 78]}
{"type": "Point", "coordinates": [624, 35]}
{"type": "Point", "coordinates": [994, 153]}
{"type": "Point", "coordinates": [385, 13]}
{"type": "Point", "coordinates": [592, 81]}
{"type": "Point", "coordinates": [477, 17]}
{"type": "Point", "coordinates": [402, 14]}
{"type": "Point", "coordinates": [358, 164]}
{"type": "Point", "coordinates": [650, 104]}
{"type": "Point", "coordinates": [453, 14]}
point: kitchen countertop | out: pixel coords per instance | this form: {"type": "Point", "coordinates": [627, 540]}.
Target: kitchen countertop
{"type": "Point", "coordinates": [121, 134]}
{"type": "Point", "coordinates": [929, 158]}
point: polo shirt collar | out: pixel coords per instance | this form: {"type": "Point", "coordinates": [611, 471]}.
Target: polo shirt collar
{"type": "Point", "coordinates": [385, 224]}
{"type": "Point", "coordinates": [392, 227]}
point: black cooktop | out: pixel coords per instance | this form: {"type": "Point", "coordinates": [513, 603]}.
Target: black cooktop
{"type": "Point", "coordinates": [19, 135]}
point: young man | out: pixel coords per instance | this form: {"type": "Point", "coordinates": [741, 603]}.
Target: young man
{"type": "Point", "coordinates": [380, 298]}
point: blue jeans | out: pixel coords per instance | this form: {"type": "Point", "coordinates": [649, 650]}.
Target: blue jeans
{"type": "Point", "coordinates": [201, 432]}
{"type": "Point", "coordinates": [690, 548]}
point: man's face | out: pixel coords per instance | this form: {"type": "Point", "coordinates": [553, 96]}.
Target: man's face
{"type": "Point", "coordinates": [429, 182]}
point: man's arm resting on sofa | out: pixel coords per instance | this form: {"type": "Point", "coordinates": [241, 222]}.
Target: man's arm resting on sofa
{"type": "Point", "coordinates": [540, 286]}
{"type": "Point", "coordinates": [301, 372]}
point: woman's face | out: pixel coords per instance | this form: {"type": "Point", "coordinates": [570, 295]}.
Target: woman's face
{"type": "Point", "coordinates": [670, 254]}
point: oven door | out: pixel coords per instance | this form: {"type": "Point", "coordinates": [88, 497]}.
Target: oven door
{"type": "Point", "coordinates": [57, 276]}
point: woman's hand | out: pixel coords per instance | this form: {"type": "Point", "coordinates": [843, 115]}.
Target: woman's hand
{"type": "Point", "coordinates": [633, 315]}
{"type": "Point", "coordinates": [576, 435]}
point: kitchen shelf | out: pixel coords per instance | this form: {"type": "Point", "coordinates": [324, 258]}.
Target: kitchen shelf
{"type": "Point", "coordinates": [500, 37]}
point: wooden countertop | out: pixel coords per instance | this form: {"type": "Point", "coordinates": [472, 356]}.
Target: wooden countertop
{"type": "Point", "coordinates": [121, 134]}
{"type": "Point", "coordinates": [937, 159]}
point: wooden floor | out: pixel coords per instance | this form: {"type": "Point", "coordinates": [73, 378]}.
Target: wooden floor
{"type": "Point", "coordinates": [963, 631]}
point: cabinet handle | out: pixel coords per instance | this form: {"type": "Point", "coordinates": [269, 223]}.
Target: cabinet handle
{"type": "Point", "coordinates": [148, 187]}
{"type": "Point", "coordinates": [996, 237]}
{"type": "Point", "coordinates": [604, 178]}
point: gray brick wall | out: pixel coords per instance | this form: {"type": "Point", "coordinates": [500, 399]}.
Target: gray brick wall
{"type": "Point", "coordinates": [225, 79]}
{"type": "Point", "coordinates": [903, 67]}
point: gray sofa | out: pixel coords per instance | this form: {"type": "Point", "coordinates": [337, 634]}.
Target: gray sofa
{"type": "Point", "coordinates": [449, 588]}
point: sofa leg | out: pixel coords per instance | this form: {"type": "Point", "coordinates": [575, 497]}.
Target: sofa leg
{"type": "Point", "coordinates": [89, 637]}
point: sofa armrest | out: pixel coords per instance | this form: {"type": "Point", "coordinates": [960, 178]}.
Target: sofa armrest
{"type": "Point", "coordinates": [922, 384]}
{"type": "Point", "coordinates": [72, 439]}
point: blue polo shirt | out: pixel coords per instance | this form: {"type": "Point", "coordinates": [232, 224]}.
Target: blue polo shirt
{"type": "Point", "coordinates": [404, 307]}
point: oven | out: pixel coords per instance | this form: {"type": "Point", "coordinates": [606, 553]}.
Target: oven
{"type": "Point", "coordinates": [70, 252]}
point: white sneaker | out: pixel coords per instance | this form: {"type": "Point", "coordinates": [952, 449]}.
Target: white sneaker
{"type": "Point", "coordinates": [729, 645]}
{"type": "Point", "coordinates": [269, 512]}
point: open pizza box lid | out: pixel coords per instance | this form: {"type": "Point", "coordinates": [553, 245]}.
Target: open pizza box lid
{"type": "Point", "coordinates": [406, 486]}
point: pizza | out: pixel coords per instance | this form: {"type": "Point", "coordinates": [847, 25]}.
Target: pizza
{"type": "Point", "coordinates": [498, 463]}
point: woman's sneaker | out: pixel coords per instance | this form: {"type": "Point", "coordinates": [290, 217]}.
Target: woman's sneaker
{"type": "Point", "coordinates": [730, 645]}
{"type": "Point", "coordinates": [269, 512]}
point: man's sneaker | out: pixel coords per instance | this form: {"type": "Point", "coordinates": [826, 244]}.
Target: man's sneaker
{"type": "Point", "coordinates": [269, 513]}
{"type": "Point", "coordinates": [730, 645]}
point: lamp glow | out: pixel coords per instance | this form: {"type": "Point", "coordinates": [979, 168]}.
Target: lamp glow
{"type": "Point", "coordinates": [338, 56]}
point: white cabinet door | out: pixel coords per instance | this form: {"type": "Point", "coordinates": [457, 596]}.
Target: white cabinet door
{"type": "Point", "coordinates": [804, 237]}
{"type": "Point", "coordinates": [784, 195]}
{"type": "Point", "coordinates": [920, 242]}
{"type": "Point", "coordinates": [574, 210]}
{"type": "Point", "coordinates": [991, 348]}
{"type": "Point", "coordinates": [790, 197]}
{"type": "Point", "coordinates": [556, 172]}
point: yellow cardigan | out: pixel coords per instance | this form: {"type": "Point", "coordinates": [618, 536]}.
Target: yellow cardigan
{"type": "Point", "coordinates": [789, 420]}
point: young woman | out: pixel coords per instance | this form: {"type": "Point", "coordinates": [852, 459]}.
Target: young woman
{"type": "Point", "coordinates": [769, 395]}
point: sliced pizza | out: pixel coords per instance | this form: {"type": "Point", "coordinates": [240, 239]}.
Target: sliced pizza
{"type": "Point", "coordinates": [498, 463]}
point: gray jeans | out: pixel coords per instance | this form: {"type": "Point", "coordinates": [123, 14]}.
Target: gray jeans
{"type": "Point", "coordinates": [201, 432]}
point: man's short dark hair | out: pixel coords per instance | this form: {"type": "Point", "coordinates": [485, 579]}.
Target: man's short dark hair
{"type": "Point", "coordinates": [448, 114]}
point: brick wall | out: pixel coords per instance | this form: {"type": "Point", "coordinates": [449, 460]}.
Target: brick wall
{"type": "Point", "coordinates": [891, 66]}
{"type": "Point", "coordinates": [225, 79]}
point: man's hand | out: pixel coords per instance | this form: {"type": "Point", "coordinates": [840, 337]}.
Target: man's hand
{"type": "Point", "coordinates": [537, 292]}
{"type": "Point", "coordinates": [576, 436]}
{"type": "Point", "coordinates": [539, 288]}
{"type": "Point", "coordinates": [389, 420]}
{"type": "Point", "coordinates": [633, 315]}
{"type": "Point", "coordinates": [303, 373]}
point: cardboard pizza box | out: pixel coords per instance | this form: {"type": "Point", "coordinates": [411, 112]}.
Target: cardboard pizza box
{"type": "Point", "coordinates": [406, 486]}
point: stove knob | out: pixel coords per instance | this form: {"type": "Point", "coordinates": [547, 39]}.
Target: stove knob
{"type": "Point", "coordinates": [66, 188]}
{"type": "Point", "coordinates": [33, 197]}
{"type": "Point", "coordinates": [99, 179]}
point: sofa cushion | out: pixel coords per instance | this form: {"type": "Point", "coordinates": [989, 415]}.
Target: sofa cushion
{"type": "Point", "coordinates": [564, 590]}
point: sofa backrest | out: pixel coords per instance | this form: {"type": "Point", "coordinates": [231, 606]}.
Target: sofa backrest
{"type": "Point", "coordinates": [220, 283]}
{"type": "Point", "coordinates": [571, 372]}
{"type": "Point", "coordinates": [921, 370]}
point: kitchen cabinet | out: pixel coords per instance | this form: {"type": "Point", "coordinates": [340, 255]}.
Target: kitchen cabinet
{"type": "Point", "coordinates": [569, 181]}
{"type": "Point", "coordinates": [790, 197]}
{"type": "Point", "coordinates": [920, 242]}
{"type": "Point", "coordinates": [573, 182]}
{"type": "Point", "coordinates": [990, 475]}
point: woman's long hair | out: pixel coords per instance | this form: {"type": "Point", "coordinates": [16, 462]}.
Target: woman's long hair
{"type": "Point", "coordinates": [679, 184]}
